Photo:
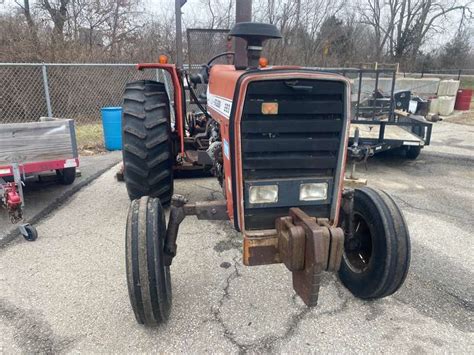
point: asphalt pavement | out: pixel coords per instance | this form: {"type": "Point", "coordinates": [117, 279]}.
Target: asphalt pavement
{"type": "Point", "coordinates": [67, 291]}
{"type": "Point", "coordinates": [43, 195]}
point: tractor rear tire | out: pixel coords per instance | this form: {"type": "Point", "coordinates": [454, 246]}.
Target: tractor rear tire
{"type": "Point", "coordinates": [376, 262]}
{"type": "Point", "coordinates": [147, 141]}
{"type": "Point", "coordinates": [148, 279]}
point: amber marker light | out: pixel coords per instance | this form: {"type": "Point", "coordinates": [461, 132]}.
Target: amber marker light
{"type": "Point", "coordinates": [270, 108]}
{"type": "Point", "coordinates": [162, 59]}
{"type": "Point", "coordinates": [263, 62]}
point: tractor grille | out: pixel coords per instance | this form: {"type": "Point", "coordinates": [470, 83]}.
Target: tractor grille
{"type": "Point", "coordinates": [302, 141]}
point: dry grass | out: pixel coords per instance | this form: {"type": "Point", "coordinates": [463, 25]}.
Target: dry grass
{"type": "Point", "coordinates": [90, 139]}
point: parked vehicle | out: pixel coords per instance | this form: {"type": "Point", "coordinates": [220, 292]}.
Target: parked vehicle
{"type": "Point", "coordinates": [276, 138]}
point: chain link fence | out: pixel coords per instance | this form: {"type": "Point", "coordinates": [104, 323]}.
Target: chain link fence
{"type": "Point", "coordinates": [444, 74]}
{"type": "Point", "coordinates": [203, 44]}
{"type": "Point", "coordinates": [77, 91]}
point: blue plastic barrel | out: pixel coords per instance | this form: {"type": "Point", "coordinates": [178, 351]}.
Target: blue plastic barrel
{"type": "Point", "coordinates": [112, 124]}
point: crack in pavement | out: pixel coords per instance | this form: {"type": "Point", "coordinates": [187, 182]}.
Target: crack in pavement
{"type": "Point", "coordinates": [409, 205]}
{"type": "Point", "coordinates": [341, 295]}
{"type": "Point", "coordinates": [32, 333]}
{"type": "Point", "coordinates": [216, 312]}
{"type": "Point", "coordinates": [267, 343]}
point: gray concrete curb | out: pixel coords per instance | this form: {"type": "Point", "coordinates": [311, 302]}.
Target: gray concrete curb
{"type": "Point", "coordinates": [56, 203]}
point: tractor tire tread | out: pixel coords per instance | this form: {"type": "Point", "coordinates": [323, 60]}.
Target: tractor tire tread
{"type": "Point", "coordinates": [148, 279]}
{"type": "Point", "coordinates": [388, 270]}
{"type": "Point", "coordinates": [402, 263]}
{"type": "Point", "coordinates": [147, 141]}
{"type": "Point", "coordinates": [136, 132]}
{"type": "Point", "coordinates": [141, 101]}
{"type": "Point", "coordinates": [159, 159]}
{"type": "Point", "coordinates": [140, 116]}
{"type": "Point", "coordinates": [154, 107]}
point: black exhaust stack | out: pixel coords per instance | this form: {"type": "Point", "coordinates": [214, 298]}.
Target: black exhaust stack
{"type": "Point", "coordinates": [255, 34]}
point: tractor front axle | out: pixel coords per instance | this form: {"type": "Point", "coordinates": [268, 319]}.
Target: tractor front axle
{"type": "Point", "coordinates": [180, 208]}
{"type": "Point", "coordinates": [306, 245]}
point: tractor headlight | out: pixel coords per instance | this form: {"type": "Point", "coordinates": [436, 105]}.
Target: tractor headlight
{"type": "Point", "coordinates": [263, 194]}
{"type": "Point", "coordinates": [314, 191]}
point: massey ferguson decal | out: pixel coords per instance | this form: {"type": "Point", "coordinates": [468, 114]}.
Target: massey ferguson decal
{"type": "Point", "coordinates": [219, 104]}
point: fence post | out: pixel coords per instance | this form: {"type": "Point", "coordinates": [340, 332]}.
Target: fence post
{"type": "Point", "coordinates": [46, 90]}
{"type": "Point", "coordinates": [459, 74]}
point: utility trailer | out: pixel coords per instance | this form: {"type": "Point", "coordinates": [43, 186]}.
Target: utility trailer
{"type": "Point", "coordinates": [406, 131]}
{"type": "Point", "coordinates": [28, 149]}
{"type": "Point", "coordinates": [382, 121]}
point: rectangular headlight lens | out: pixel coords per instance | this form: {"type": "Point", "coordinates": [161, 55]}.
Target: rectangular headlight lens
{"type": "Point", "coordinates": [314, 191]}
{"type": "Point", "coordinates": [263, 194]}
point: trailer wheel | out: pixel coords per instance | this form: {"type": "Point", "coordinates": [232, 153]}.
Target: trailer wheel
{"type": "Point", "coordinates": [413, 152]}
{"type": "Point", "coordinates": [375, 262]}
{"type": "Point", "coordinates": [147, 142]}
{"type": "Point", "coordinates": [148, 279]}
{"type": "Point", "coordinates": [66, 176]}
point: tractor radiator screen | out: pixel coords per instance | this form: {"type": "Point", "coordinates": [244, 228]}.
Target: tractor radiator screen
{"type": "Point", "coordinates": [299, 142]}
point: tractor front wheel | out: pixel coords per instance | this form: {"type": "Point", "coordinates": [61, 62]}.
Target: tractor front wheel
{"type": "Point", "coordinates": [376, 259]}
{"type": "Point", "coordinates": [148, 279]}
{"type": "Point", "coordinates": [147, 141]}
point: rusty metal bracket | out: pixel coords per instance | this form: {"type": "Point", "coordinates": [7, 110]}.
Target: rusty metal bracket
{"type": "Point", "coordinates": [211, 210]}
{"type": "Point", "coordinates": [291, 243]}
{"type": "Point", "coordinates": [180, 208]}
{"type": "Point", "coordinates": [308, 246]}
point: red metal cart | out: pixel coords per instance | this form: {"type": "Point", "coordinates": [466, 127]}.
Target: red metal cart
{"type": "Point", "coordinates": [29, 149]}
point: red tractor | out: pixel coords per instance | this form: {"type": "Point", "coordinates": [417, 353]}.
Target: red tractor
{"type": "Point", "coordinates": [276, 138]}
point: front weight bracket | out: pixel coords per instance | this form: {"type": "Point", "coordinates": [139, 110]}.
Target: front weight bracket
{"type": "Point", "coordinates": [308, 246]}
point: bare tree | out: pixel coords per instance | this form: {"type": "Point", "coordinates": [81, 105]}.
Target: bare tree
{"type": "Point", "coordinates": [401, 27]}
{"type": "Point", "coordinates": [25, 7]}
{"type": "Point", "coordinates": [58, 12]}
{"type": "Point", "coordinates": [315, 32]}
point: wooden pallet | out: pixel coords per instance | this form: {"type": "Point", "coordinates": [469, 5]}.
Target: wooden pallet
{"type": "Point", "coordinates": [37, 141]}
